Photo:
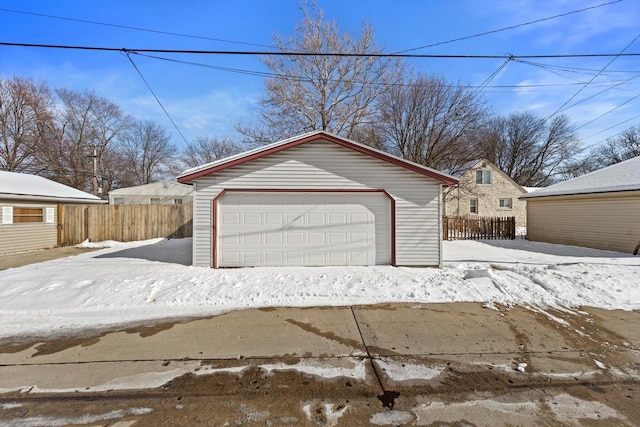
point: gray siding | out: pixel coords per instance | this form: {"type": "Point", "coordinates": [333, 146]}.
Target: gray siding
{"type": "Point", "coordinates": [607, 221]}
{"type": "Point", "coordinates": [324, 165]}
{"type": "Point", "coordinates": [22, 237]}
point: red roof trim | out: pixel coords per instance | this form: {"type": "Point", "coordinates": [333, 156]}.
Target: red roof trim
{"type": "Point", "coordinates": [314, 137]}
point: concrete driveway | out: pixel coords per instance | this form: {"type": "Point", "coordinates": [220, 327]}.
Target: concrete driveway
{"type": "Point", "coordinates": [433, 364]}
{"type": "Point", "coordinates": [32, 257]}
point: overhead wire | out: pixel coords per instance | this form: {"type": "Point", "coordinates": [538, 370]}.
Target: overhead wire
{"type": "Point", "coordinates": [607, 112]}
{"type": "Point", "coordinates": [297, 53]}
{"type": "Point", "coordinates": [511, 27]}
{"type": "Point", "coordinates": [572, 69]}
{"type": "Point", "coordinates": [127, 27]}
{"type": "Point", "coordinates": [302, 78]}
{"type": "Point", "coordinates": [561, 108]}
{"type": "Point", "coordinates": [155, 96]}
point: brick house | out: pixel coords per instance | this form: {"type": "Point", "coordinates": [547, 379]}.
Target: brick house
{"type": "Point", "coordinates": [484, 190]}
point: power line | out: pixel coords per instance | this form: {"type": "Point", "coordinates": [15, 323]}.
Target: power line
{"type": "Point", "coordinates": [607, 112]}
{"type": "Point", "coordinates": [574, 69]}
{"type": "Point", "coordinates": [377, 83]}
{"type": "Point", "coordinates": [601, 92]}
{"type": "Point", "coordinates": [156, 97]}
{"type": "Point", "coordinates": [561, 108]}
{"type": "Point", "coordinates": [148, 30]}
{"type": "Point", "coordinates": [609, 128]}
{"type": "Point", "coordinates": [293, 53]}
{"type": "Point", "coordinates": [508, 28]}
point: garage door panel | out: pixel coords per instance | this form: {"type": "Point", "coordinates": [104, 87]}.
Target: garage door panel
{"type": "Point", "coordinates": [316, 238]}
{"type": "Point", "coordinates": [303, 229]}
{"type": "Point", "coordinates": [274, 258]}
{"type": "Point", "coordinates": [254, 238]}
{"type": "Point", "coordinates": [273, 238]}
{"type": "Point", "coordinates": [273, 218]}
{"type": "Point", "coordinates": [294, 237]}
{"type": "Point", "coordinates": [231, 218]}
{"type": "Point", "coordinates": [295, 218]}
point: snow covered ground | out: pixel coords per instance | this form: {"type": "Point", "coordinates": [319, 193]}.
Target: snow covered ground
{"type": "Point", "coordinates": [138, 281]}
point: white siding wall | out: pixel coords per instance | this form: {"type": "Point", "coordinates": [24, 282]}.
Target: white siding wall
{"type": "Point", "coordinates": [610, 221]}
{"type": "Point", "coordinates": [28, 236]}
{"type": "Point", "coordinates": [326, 165]}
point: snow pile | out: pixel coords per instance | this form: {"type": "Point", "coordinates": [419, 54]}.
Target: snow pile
{"type": "Point", "coordinates": [138, 281]}
{"type": "Point", "coordinates": [99, 245]}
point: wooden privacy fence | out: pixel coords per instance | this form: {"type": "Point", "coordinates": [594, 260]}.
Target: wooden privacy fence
{"type": "Point", "coordinates": [123, 223]}
{"type": "Point", "coordinates": [464, 228]}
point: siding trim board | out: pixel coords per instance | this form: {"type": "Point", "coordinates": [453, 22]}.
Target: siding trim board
{"type": "Point", "coordinates": [215, 211]}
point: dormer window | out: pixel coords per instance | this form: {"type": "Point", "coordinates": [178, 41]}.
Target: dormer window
{"type": "Point", "coordinates": [483, 176]}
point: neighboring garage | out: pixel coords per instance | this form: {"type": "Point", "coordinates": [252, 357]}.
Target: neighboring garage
{"type": "Point", "coordinates": [598, 210]}
{"type": "Point", "coordinates": [29, 210]}
{"type": "Point", "coordinates": [316, 200]}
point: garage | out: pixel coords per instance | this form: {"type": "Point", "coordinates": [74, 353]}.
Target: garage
{"type": "Point", "coordinates": [303, 228]}
{"type": "Point", "coordinates": [316, 199]}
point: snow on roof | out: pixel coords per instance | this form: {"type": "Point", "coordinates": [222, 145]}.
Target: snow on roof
{"type": "Point", "coordinates": [197, 171]}
{"type": "Point", "coordinates": [155, 189]}
{"type": "Point", "coordinates": [532, 189]}
{"type": "Point", "coordinates": [22, 184]}
{"type": "Point", "coordinates": [623, 176]}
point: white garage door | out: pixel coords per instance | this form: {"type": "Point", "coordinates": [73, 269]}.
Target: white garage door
{"type": "Point", "coordinates": [310, 229]}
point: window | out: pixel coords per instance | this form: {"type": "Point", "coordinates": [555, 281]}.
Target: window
{"type": "Point", "coordinates": [154, 200]}
{"type": "Point", "coordinates": [504, 203]}
{"type": "Point", "coordinates": [177, 201]}
{"type": "Point", "coordinates": [14, 215]}
{"type": "Point", "coordinates": [483, 176]}
{"type": "Point", "coordinates": [27, 215]}
{"type": "Point", "coordinates": [473, 206]}
{"type": "Point", "coordinates": [118, 200]}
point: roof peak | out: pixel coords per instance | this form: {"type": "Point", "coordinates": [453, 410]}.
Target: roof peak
{"type": "Point", "coordinates": [212, 167]}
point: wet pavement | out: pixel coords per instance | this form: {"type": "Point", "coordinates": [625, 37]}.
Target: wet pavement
{"type": "Point", "coordinates": [396, 364]}
{"type": "Point", "coordinates": [32, 257]}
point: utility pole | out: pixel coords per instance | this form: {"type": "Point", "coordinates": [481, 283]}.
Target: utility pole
{"type": "Point", "coordinates": [95, 170]}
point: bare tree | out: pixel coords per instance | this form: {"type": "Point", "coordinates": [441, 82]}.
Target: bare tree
{"type": "Point", "coordinates": [206, 150]}
{"type": "Point", "coordinates": [25, 116]}
{"type": "Point", "coordinates": [429, 121]}
{"type": "Point", "coordinates": [332, 93]}
{"type": "Point", "coordinates": [86, 126]}
{"type": "Point", "coordinates": [531, 150]}
{"type": "Point", "coordinates": [147, 151]}
{"type": "Point", "coordinates": [615, 150]}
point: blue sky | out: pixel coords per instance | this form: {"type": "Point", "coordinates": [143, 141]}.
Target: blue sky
{"type": "Point", "coordinates": [205, 101]}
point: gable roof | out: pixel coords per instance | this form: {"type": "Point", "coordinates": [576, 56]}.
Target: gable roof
{"type": "Point", "coordinates": [14, 185]}
{"type": "Point", "coordinates": [194, 173]}
{"type": "Point", "coordinates": [623, 176]}
{"type": "Point", "coordinates": [486, 163]}
{"type": "Point", "coordinates": [154, 189]}
{"type": "Point", "coordinates": [458, 172]}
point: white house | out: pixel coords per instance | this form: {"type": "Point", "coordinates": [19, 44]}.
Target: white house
{"type": "Point", "coordinates": [29, 207]}
{"type": "Point", "coordinates": [156, 193]}
{"type": "Point", "coordinates": [485, 191]}
{"type": "Point", "coordinates": [316, 199]}
{"type": "Point", "coordinates": [598, 210]}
